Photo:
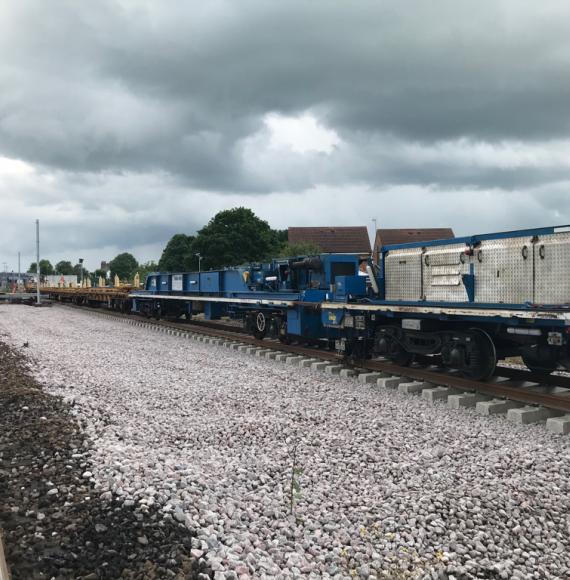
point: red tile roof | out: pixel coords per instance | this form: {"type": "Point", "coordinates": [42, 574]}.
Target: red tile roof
{"type": "Point", "coordinates": [386, 237]}
{"type": "Point", "coordinates": [342, 240]}
{"type": "Point", "coordinates": [402, 236]}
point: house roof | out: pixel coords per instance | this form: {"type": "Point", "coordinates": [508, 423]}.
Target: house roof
{"type": "Point", "coordinates": [386, 237]}
{"type": "Point", "coordinates": [342, 239]}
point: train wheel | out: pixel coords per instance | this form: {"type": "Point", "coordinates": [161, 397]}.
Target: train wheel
{"type": "Point", "coordinates": [540, 360]}
{"type": "Point", "coordinates": [402, 358]}
{"type": "Point", "coordinates": [481, 358]}
{"type": "Point", "coordinates": [260, 329]}
{"type": "Point", "coordinates": [398, 355]}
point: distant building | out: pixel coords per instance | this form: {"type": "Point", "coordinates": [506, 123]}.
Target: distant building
{"type": "Point", "coordinates": [60, 281]}
{"type": "Point", "coordinates": [8, 279]}
{"type": "Point", "coordinates": [387, 237]}
{"type": "Point", "coordinates": [104, 266]}
{"type": "Point", "coordinates": [337, 240]}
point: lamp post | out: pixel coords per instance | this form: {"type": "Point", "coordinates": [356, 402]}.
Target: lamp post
{"type": "Point", "coordinates": [199, 256]}
{"type": "Point", "coordinates": [81, 272]}
{"type": "Point", "coordinates": [38, 272]}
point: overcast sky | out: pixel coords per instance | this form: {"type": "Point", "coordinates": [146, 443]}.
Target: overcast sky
{"type": "Point", "coordinates": [124, 122]}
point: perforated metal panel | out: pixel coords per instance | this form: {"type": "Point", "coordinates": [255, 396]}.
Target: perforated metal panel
{"type": "Point", "coordinates": [403, 269]}
{"type": "Point", "coordinates": [442, 273]}
{"type": "Point", "coordinates": [552, 272]}
{"type": "Point", "coordinates": [502, 274]}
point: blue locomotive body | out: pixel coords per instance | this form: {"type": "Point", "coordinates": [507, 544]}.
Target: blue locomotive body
{"type": "Point", "coordinates": [280, 298]}
{"type": "Point", "coordinates": [464, 303]}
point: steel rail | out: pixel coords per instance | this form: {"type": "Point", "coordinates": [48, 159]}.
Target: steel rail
{"type": "Point", "coordinates": [558, 402]}
{"type": "Point", "coordinates": [527, 375]}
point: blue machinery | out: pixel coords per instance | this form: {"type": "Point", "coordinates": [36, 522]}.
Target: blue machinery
{"type": "Point", "coordinates": [464, 302]}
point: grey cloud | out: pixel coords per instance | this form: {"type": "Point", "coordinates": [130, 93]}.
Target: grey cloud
{"type": "Point", "coordinates": [142, 119]}
{"type": "Point", "coordinates": [168, 86]}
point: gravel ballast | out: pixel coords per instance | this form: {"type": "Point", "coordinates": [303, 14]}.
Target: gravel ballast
{"type": "Point", "coordinates": [384, 485]}
{"type": "Point", "coordinates": [55, 525]}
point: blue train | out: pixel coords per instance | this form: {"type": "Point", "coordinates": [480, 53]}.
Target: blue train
{"type": "Point", "coordinates": [465, 302]}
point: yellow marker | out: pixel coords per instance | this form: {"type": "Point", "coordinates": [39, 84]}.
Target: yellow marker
{"type": "Point", "coordinates": [101, 282]}
{"type": "Point", "coordinates": [137, 281]}
{"type": "Point", "coordinates": [117, 282]}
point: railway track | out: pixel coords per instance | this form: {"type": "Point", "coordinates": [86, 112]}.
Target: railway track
{"type": "Point", "coordinates": [531, 397]}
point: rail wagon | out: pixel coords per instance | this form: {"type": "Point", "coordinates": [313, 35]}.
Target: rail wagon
{"type": "Point", "coordinates": [461, 303]}
{"type": "Point", "coordinates": [465, 302]}
{"type": "Point", "coordinates": [280, 298]}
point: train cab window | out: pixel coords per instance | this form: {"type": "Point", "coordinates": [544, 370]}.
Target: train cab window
{"type": "Point", "coordinates": [342, 269]}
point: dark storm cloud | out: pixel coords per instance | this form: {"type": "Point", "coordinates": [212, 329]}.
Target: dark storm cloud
{"type": "Point", "coordinates": [178, 87]}
{"type": "Point", "coordinates": [139, 119]}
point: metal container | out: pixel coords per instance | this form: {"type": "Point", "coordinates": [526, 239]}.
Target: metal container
{"type": "Point", "coordinates": [443, 267]}
{"type": "Point", "coordinates": [503, 270]}
{"type": "Point", "coordinates": [403, 271]}
{"type": "Point", "coordinates": [552, 269]}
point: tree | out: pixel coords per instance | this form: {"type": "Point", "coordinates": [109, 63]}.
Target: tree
{"type": "Point", "coordinates": [145, 269]}
{"type": "Point", "coordinates": [98, 274]}
{"type": "Point", "coordinates": [232, 237]}
{"type": "Point", "coordinates": [176, 252]}
{"type": "Point", "coordinates": [299, 249]}
{"type": "Point", "coordinates": [124, 265]}
{"type": "Point", "coordinates": [45, 267]}
{"type": "Point", "coordinates": [282, 236]}
{"type": "Point", "coordinates": [78, 269]}
{"type": "Point", "coordinates": [64, 268]}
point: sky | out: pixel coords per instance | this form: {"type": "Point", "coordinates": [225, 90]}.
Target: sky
{"type": "Point", "coordinates": [124, 122]}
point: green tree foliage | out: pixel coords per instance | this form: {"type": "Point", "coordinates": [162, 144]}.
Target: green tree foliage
{"type": "Point", "coordinates": [64, 267]}
{"type": "Point", "coordinates": [299, 249]}
{"type": "Point", "coordinates": [45, 267]}
{"type": "Point", "coordinates": [77, 271]}
{"type": "Point", "coordinates": [124, 265]}
{"type": "Point", "coordinates": [282, 236]}
{"type": "Point", "coordinates": [174, 256]}
{"type": "Point", "coordinates": [145, 269]}
{"type": "Point", "coordinates": [98, 274]}
{"type": "Point", "coordinates": [232, 237]}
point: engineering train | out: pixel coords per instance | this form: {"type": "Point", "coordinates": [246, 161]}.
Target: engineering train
{"type": "Point", "coordinates": [463, 303]}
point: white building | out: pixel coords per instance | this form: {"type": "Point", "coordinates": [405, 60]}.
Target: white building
{"type": "Point", "coordinates": [61, 281]}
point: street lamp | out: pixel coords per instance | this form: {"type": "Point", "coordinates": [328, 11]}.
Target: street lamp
{"type": "Point", "coordinates": [38, 269]}
{"type": "Point", "coordinates": [199, 256]}
{"type": "Point", "coordinates": [81, 271]}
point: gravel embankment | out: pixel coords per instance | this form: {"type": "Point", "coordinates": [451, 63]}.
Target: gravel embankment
{"type": "Point", "coordinates": [389, 486]}
{"type": "Point", "coordinates": [56, 526]}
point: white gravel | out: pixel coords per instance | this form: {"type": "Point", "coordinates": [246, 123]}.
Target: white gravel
{"type": "Point", "coordinates": [390, 486]}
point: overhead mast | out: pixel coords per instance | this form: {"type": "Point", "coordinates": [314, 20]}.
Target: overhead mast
{"type": "Point", "coordinates": [38, 261]}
